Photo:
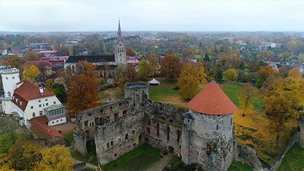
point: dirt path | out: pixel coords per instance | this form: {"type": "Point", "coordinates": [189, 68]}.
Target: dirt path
{"type": "Point", "coordinates": [161, 164]}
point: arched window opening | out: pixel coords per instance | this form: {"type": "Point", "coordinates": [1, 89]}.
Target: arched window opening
{"type": "Point", "coordinates": [148, 131]}
{"type": "Point", "coordinates": [217, 127]}
{"type": "Point", "coordinates": [127, 136]}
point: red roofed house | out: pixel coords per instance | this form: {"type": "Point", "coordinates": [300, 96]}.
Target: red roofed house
{"type": "Point", "coordinates": [30, 101]}
{"type": "Point", "coordinates": [39, 127]}
{"type": "Point", "coordinates": [45, 67]}
{"type": "Point", "coordinates": [208, 130]}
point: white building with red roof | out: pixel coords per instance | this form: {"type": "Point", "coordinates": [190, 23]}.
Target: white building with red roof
{"type": "Point", "coordinates": [207, 135]}
{"type": "Point", "coordinates": [30, 101]}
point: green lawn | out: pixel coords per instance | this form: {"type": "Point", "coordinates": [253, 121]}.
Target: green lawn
{"type": "Point", "coordinates": [166, 88]}
{"type": "Point", "coordinates": [138, 159]}
{"type": "Point", "coordinates": [293, 160]}
{"type": "Point", "coordinates": [238, 166]}
{"type": "Point", "coordinates": [69, 139]}
{"type": "Point", "coordinates": [232, 92]}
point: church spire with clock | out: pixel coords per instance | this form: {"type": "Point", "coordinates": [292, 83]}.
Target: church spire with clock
{"type": "Point", "coordinates": [120, 48]}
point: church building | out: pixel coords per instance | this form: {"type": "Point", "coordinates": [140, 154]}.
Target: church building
{"type": "Point", "coordinates": [103, 62]}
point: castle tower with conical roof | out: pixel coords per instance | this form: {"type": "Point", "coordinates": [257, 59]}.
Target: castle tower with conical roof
{"type": "Point", "coordinates": [120, 48]}
{"type": "Point", "coordinates": [207, 133]}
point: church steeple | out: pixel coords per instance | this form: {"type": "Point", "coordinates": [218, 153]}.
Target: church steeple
{"type": "Point", "coordinates": [119, 35]}
{"type": "Point", "coordinates": [120, 48]}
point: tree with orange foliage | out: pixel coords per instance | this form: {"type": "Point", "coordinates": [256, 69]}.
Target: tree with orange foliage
{"type": "Point", "coordinates": [82, 94]}
{"type": "Point", "coordinates": [264, 73]}
{"type": "Point", "coordinates": [86, 68]}
{"type": "Point", "coordinates": [13, 61]}
{"type": "Point", "coordinates": [170, 66]}
{"type": "Point", "coordinates": [130, 51]}
{"type": "Point", "coordinates": [295, 73]}
{"type": "Point", "coordinates": [31, 56]}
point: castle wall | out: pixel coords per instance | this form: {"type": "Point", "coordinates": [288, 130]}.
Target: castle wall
{"type": "Point", "coordinates": [117, 138]}
{"type": "Point", "coordinates": [165, 136]}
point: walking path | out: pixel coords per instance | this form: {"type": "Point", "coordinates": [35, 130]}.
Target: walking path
{"type": "Point", "coordinates": [88, 165]}
{"type": "Point", "coordinates": [161, 164]}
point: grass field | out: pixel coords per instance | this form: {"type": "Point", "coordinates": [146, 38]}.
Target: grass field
{"type": "Point", "coordinates": [69, 139]}
{"type": "Point", "coordinates": [293, 160]}
{"type": "Point", "coordinates": [138, 159]}
{"type": "Point", "coordinates": [164, 91]}
{"type": "Point", "coordinates": [238, 166]}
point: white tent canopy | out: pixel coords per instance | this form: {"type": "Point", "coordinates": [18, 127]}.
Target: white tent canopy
{"type": "Point", "coordinates": [154, 82]}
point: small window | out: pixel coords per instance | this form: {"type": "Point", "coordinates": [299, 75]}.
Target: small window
{"type": "Point", "coordinates": [60, 119]}
{"type": "Point", "coordinates": [112, 143]}
{"type": "Point", "coordinates": [52, 122]}
{"type": "Point", "coordinates": [56, 120]}
{"type": "Point", "coordinates": [39, 105]}
{"type": "Point", "coordinates": [108, 145]}
{"type": "Point", "coordinates": [40, 113]}
{"type": "Point", "coordinates": [54, 102]}
{"type": "Point", "coordinates": [127, 136]}
{"type": "Point", "coordinates": [33, 114]}
{"type": "Point", "coordinates": [46, 100]}
{"type": "Point", "coordinates": [32, 107]}
{"type": "Point", "coordinates": [217, 127]}
{"type": "Point", "coordinates": [46, 104]}
{"type": "Point", "coordinates": [6, 78]}
{"type": "Point", "coordinates": [39, 101]}
{"type": "Point", "coordinates": [13, 77]}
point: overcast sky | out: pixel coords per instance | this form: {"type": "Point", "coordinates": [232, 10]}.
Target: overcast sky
{"type": "Point", "coordinates": [151, 15]}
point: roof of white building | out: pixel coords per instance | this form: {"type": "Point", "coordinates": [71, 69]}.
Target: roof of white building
{"type": "Point", "coordinates": [29, 91]}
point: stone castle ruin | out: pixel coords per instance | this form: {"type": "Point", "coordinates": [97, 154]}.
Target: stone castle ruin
{"type": "Point", "coordinates": [203, 135]}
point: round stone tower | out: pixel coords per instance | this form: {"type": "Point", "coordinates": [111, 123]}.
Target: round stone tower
{"type": "Point", "coordinates": [207, 137]}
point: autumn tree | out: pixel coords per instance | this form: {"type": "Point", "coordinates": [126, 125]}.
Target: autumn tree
{"type": "Point", "coordinates": [187, 82]}
{"type": "Point", "coordinates": [230, 75]}
{"type": "Point", "coordinates": [295, 73]}
{"type": "Point", "coordinates": [131, 74]}
{"type": "Point", "coordinates": [170, 66]}
{"type": "Point", "coordinates": [282, 99]}
{"type": "Point", "coordinates": [82, 94]}
{"type": "Point", "coordinates": [87, 68]}
{"type": "Point", "coordinates": [13, 61]}
{"type": "Point", "coordinates": [144, 69]}
{"type": "Point", "coordinates": [264, 73]}
{"type": "Point", "coordinates": [170, 51]}
{"type": "Point", "coordinates": [200, 73]}
{"type": "Point", "coordinates": [187, 54]}
{"type": "Point", "coordinates": [23, 155]}
{"type": "Point", "coordinates": [30, 73]}
{"type": "Point", "coordinates": [31, 56]}
{"type": "Point", "coordinates": [153, 62]}
{"type": "Point", "coordinates": [246, 96]}
{"type": "Point", "coordinates": [55, 158]}
{"type": "Point", "coordinates": [130, 51]}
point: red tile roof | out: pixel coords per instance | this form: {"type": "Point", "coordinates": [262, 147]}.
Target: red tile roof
{"type": "Point", "coordinates": [26, 92]}
{"type": "Point", "coordinates": [40, 129]}
{"type": "Point", "coordinates": [212, 100]}
{"type": "Point", "coordinates": [39, 64]}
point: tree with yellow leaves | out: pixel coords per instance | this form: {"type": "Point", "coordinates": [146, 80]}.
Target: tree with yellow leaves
{"type": "Point", "coordinates": [230, 75]}
{"type": "Point", "coordinates": [282, 99]}
{"type": "Point", "coordinates": [200, 73]}
{"type": "Point", "coordinates": [187, 82]}
{"type": "Point", "coordinates": [144, 69]}
{"type": "Point", "coordinates": [153, 62]}
{"type": "Point", "coordinates": [30, 73]}
{"type": "Point", "coordinates": [295, 73]}
{"type": "Point", "coordinates": [55, 158]}
{"type": "Point", "coordinates": [246, 95]}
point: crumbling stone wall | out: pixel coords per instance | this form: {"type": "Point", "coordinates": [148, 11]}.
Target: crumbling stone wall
{"type": "Point", "coordinates": [208, 140]}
